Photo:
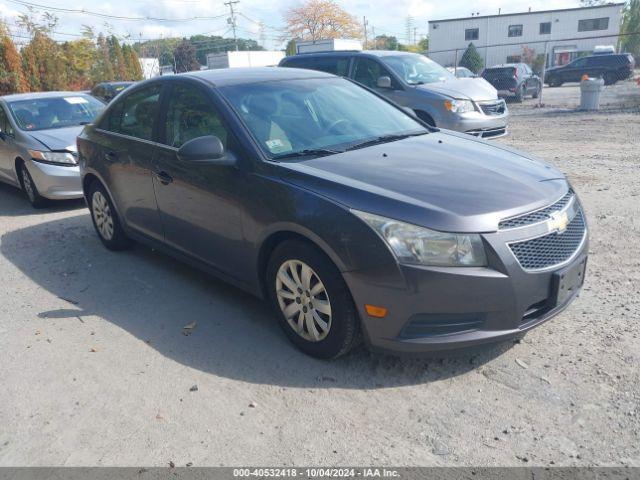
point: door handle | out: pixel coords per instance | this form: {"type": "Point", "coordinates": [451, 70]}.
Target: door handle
{"type": "Point", "coordinates": [164, 177]}
{"type": "Point", "coordinates": [111, 156]}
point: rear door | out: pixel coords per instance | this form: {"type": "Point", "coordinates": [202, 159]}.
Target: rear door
{"type": "Point", "coordinates": [127, 142]}
{"type": "Point", "coordinates": [575, 70]}
{"type": "Point", "coordinates": [199, 202]}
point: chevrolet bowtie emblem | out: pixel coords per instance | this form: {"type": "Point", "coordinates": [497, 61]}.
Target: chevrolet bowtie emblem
{"type": "Point", "coordinates": [558, 222]}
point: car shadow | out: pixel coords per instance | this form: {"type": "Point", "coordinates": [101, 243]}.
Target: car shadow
{"type": "Point", "coordinates": [153, 297]}
{"type": "Point", "coordinates": [14, 203]}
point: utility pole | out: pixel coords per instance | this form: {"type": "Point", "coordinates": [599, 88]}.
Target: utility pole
{"type": "Point", "coordinates": [415, 36]}
{"type": "Point", "coordinates": [365, 23]}
{"type": "Point", "coordinates": [232, 20]}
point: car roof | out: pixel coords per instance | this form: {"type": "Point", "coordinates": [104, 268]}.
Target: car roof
{"type": "Point", "coordinates": [504, 65]}
{"type": "Point", "coordinates": [239, 76]}
{"type": "Point", "coordinates": [37, 95]}
{"type": "Point", "coordinates": [357, 53]}
{"type": "Point", "coordinates": [115, 84]}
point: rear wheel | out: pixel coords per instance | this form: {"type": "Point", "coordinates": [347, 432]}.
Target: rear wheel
{"type": "Point", "coordinates": [536, 94]}
{"type": "Point", "coordinates": [29, 187]}
{"type": "Point", "coordinates": [610, 78]}
{"type": "Point", "coordinates": [105, 219]}
{"type": "Point", "coordinates": [313, 304]}
{"type": "Point", "coordinates": [554, 82]}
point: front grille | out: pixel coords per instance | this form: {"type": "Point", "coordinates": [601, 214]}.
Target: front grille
{"type": "Point", "coordinates": [537, 216]}
{"type": "Point", "coordinates": [552, 249]}
{"type": "Point", "coordinates": [494, 108]}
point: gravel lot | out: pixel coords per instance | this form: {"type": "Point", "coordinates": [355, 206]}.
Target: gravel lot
{"type": "Point", "coordinates": [97, 370]}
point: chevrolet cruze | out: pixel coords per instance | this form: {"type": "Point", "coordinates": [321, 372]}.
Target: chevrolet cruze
{"type": "Point", "coordinates": [352, 217]}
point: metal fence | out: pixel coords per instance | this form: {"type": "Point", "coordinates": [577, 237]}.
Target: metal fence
{"type": "Point", "coordinates": [542, 56]}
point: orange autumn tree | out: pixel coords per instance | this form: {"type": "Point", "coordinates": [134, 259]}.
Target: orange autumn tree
{"type": "Point", "coordinates": [12, 79]}
{"type": "Point", "coordinates": [320, 19]}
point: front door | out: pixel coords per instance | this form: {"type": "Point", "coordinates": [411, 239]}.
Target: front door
{"type": "Point", "coordinates": [7, 148]}
{"type": "Point", "coordinates": [199, 202]}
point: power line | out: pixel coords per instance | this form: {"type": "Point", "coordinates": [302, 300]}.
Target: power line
{"type": "Point", "coordinates": [114, 17]}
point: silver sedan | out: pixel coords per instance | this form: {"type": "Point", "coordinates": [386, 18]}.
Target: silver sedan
{"type": "Point", "coordinates": [38, 142]}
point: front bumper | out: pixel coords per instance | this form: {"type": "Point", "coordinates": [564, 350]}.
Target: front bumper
{"type": "Point", "coordinates": [56, 182]}
{"type": "Point", "coordinates": [440, 308]}
{"type": "Point", "coordinates": [476, 123]}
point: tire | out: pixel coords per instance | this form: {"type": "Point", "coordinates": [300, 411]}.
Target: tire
{"type": "Point", "coordinates": [29, 187]}
{"type": "Point", "coordinates": [520, 94]}
{"type": "Point", "coordinates": [536, 94]}
{"type": "Point", "coordinates": [553, 82]}
{"type": "Point", "coordinates": [323, 332]}
{"type": "Point", "coordinates": [610, 78]}
{"type": "Point", "coordinates": [105, 219]}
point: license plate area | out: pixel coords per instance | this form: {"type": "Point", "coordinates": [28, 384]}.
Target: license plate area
{"type": "Point", "coordinates": [566, 282]}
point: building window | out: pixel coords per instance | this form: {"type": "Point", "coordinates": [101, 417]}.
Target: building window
{"type": "Point", "coordinates": [471, 34]}
{"type": "Point", "coordinates": [591, 24]}
{"type": "Point", "coordinates": [545, 28]}
{"type": "Point", "coordinates": [515, 30]}
{"type": "Point", "coordinates": [514, 59]}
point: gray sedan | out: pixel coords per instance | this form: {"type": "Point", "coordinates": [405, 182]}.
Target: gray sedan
{"type": "Point", "coordinates": [37, 142]}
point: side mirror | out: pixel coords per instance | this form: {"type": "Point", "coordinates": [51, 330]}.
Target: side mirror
{"type": "Point", "coordinates": [384, 82]}
{"type": "Point", "coordinates": [202, 149]}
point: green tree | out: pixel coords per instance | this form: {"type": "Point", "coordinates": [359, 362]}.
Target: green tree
{"type": "Point", "coordinates": [424, 44]}
{"type": "Point", "coordinates": [102, 70]}
{"type": "Point", "coordinates": [46, 62]}
{"type": "Point", "coordinates": [291, 48]}
{"type": "Point", "coordinates": [134, 70]}
{"type": "Point", "coordinates": [631, 24]}
{"type": "Point", "coordinates": [471, 59]}
{"type": "Point", "coordinates": [117, 59]}
{"type": "Point", "coordinates": [80, 56]}
{"type": "Point", "coordinates": [12, 78]}
{"type": "Point", "coordinates": [386, 42]}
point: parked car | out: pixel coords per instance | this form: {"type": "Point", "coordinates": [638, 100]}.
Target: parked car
{"type": "Point", "coordinates": [515, 80]}
{"type": "Point", "coordinates": [416, 82]}
{"type": "Point", "coordinates": [38, 142]}
{"type": "Point", "coordinates": [611, 68]}
{"type": "Point", "coordinates": [346, 212]}
{"type": "Point", "coordinates": [462, 72]}
{"type": "Point", "coordinates": [105, 91]}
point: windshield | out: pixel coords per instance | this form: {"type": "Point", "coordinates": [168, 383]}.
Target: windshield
{"type": "Point", "coordinates": [417, 69]}
{"type": "Point", "coordinates": [305, 116]}
{"type": "Point", "coordinates": [55, 112]}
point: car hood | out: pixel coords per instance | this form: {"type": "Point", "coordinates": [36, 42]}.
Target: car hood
{"type": "Point", "coordinates": [476, 89]}
{"type": "Point", "coordinates": [58, 138]}
{"type": "Point", "coordinates": [443, 181]}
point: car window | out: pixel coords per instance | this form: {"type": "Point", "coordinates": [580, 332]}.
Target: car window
{"type": "Point", "coordinates": [55, 111]}
{"type": "Point", "coordinates": [191, 114]}
{"type": "Point", "coordinates": [367, 72]}
{"type": "Point", "coordinates": [417, 69]}
{"type": "Point", "coordinates": [581, 62]}
{"type": "Point", "coordinates": [5, 126]}
{"type": "Point", "coordinates": [135, 114]}
{"type": "Point", "coordinates": [292, 116]}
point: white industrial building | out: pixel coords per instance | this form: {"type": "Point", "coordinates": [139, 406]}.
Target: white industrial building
{"type": "Point", "coordinates": [260, 58]}
{"type": "Point", "coordinates": [563, 32]}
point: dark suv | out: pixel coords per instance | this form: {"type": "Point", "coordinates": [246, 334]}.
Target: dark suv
{"type": "Point", "coordinates": [513, 79]}
{"type": "Point", "coordinates": [611, 68]}
{"type": "Point", "coordinates": [106, 91]}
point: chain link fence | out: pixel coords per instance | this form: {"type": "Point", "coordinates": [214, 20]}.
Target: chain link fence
{"type": "Point", "coordinates": [549, 63]}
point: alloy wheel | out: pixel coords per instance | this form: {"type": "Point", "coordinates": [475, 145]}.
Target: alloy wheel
{"type": "Point", "coordinates": [102, 215]}
{"type": "Point", "coordinates": [303, 300]}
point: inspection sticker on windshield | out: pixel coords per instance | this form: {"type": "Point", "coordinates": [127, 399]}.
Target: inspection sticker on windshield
{"type": "Point", "coordinates": [276, 145]}
{"type": "Point", "coordinates": [75, 100]}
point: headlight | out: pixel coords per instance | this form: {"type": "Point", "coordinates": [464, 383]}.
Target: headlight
{"type": "Point", "coordinates": [420, 246]}
{"type": "Point", "coordinates": [459, 106]}
{"type": "Point", "coordinates": [54, 157]}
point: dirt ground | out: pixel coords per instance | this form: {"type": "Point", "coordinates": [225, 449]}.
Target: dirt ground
{"type": "Point", "coordinates": [96, 368]}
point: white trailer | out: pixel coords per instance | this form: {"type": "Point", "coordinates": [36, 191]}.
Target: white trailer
{"type": "Point", "coordinates": [250, 58]}
{"type": "Point", "coordinates": [330, 45]}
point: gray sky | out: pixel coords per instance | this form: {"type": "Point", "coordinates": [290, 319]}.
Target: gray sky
{"type": "Point", "coordinates": [384, 16]}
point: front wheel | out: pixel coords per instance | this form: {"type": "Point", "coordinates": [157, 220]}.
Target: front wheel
{"type": "Point", "coordinates": [610, 78]}
{"type": "Point", "coordinates": [312, 301]}
{"type": "Point", "coordinates": [105, 219]}
{"type": "Point", "coordinates": [29, 187]}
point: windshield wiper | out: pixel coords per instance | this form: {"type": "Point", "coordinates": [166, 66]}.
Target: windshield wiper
{"type": "Point", "coordinates": [307, 152]}
{"type": "Point", "coordinates": [384, 139]}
